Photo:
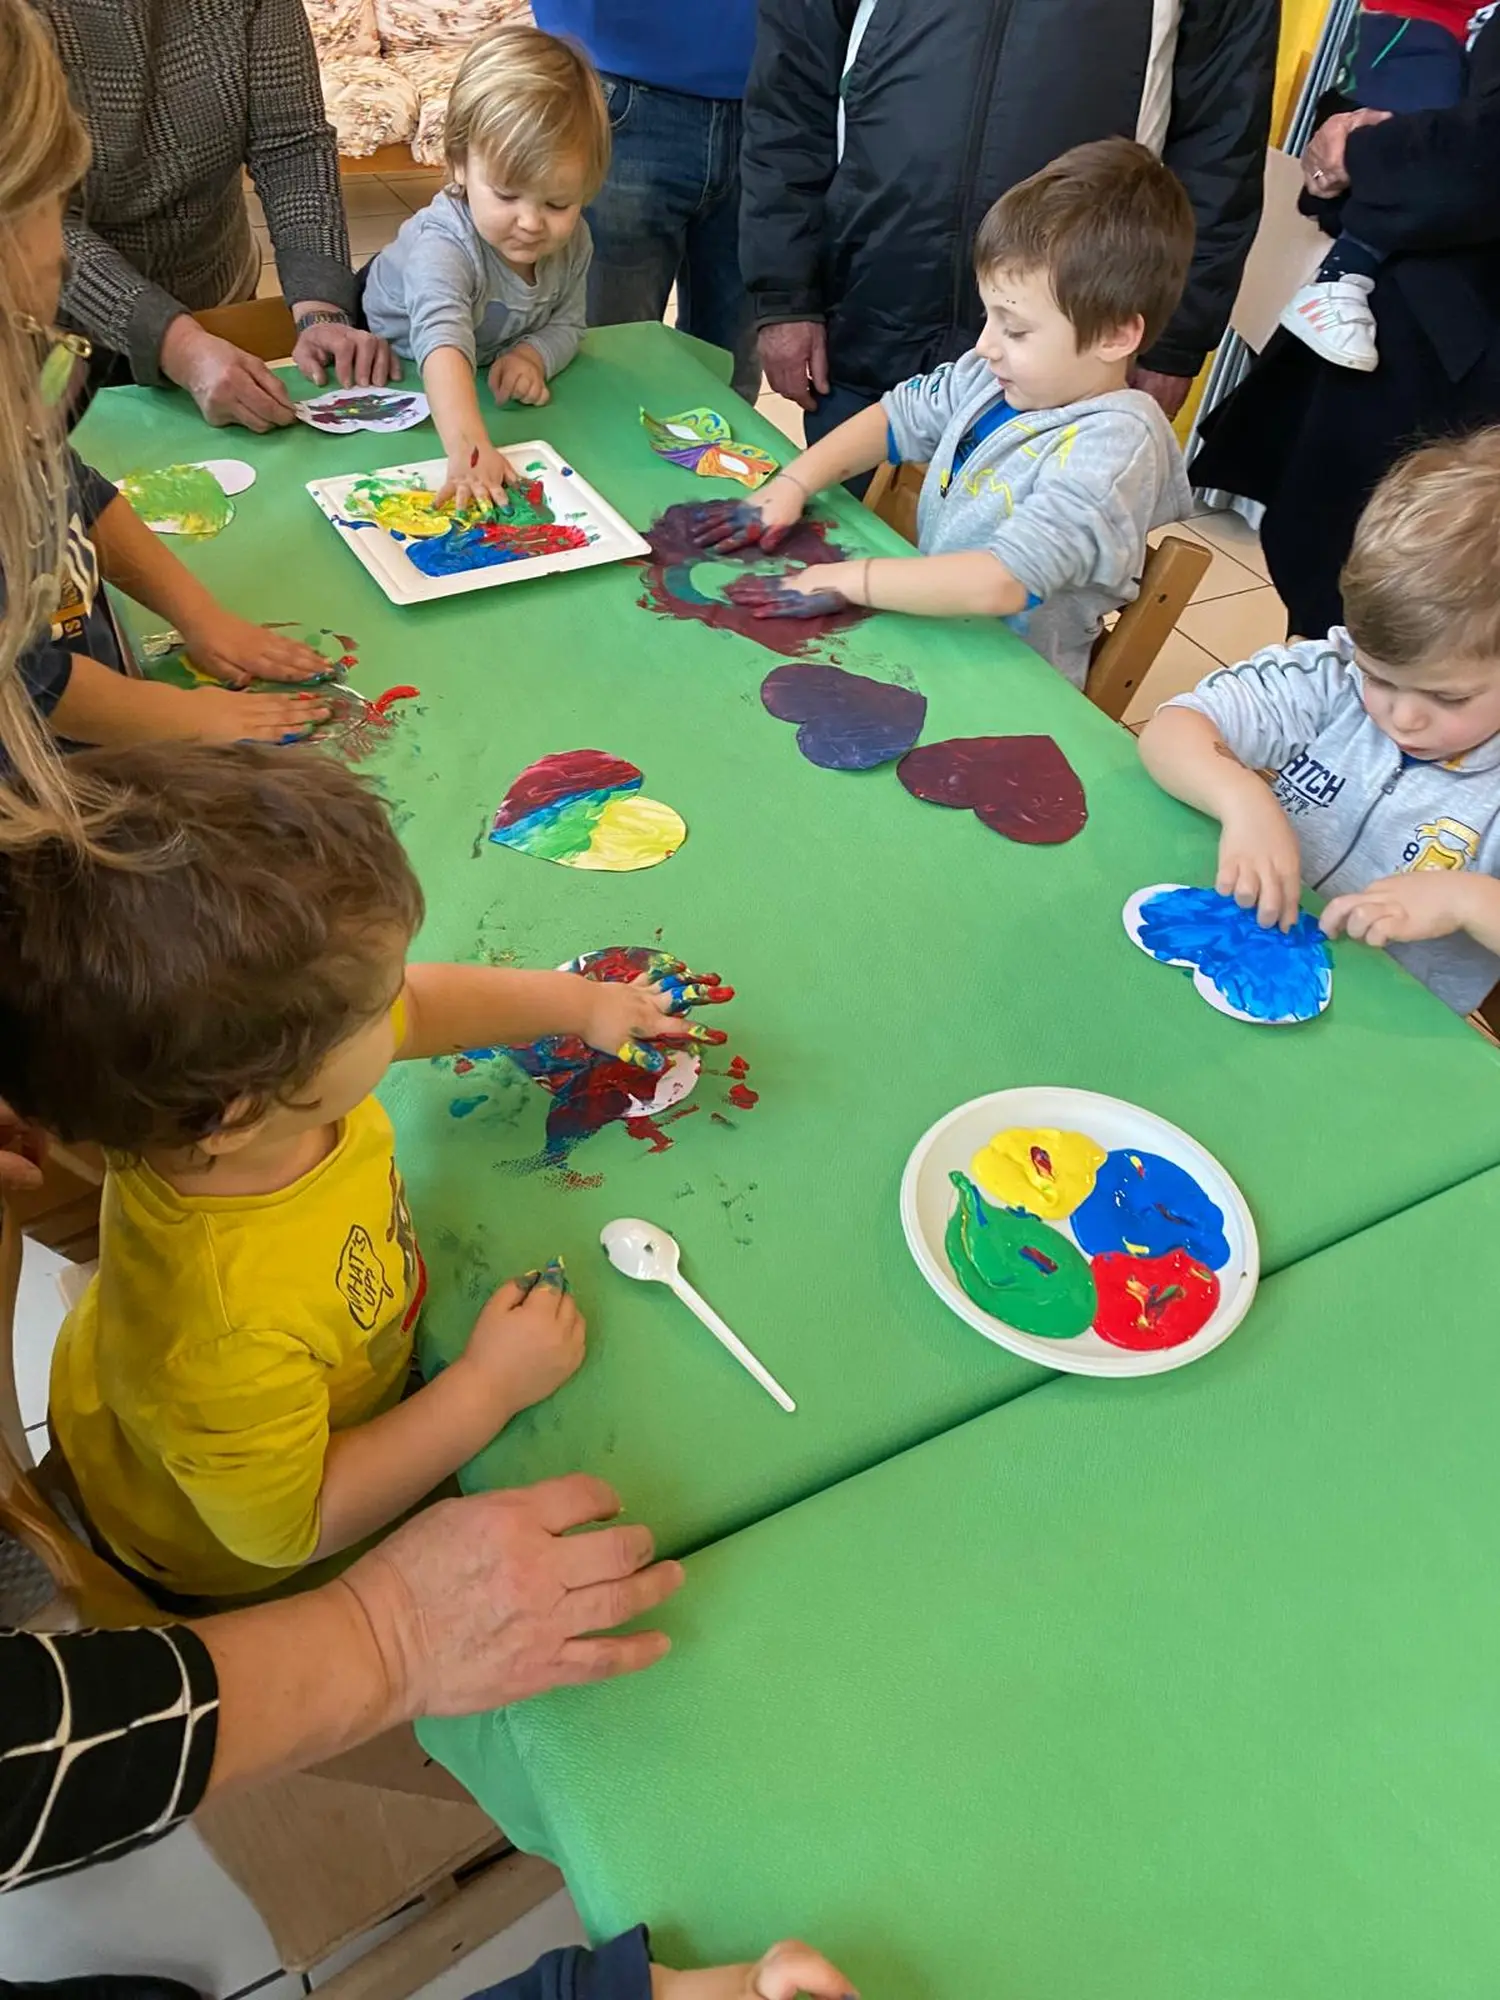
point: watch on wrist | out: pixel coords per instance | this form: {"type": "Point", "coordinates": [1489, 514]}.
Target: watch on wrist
{"type": "Point", "coordinates": [304, 320]}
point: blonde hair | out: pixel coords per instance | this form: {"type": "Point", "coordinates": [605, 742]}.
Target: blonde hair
{"type": "Point", "coordinates": [1421, 582]}
{"type": "Point", "coordinates": [43, 153]}
{"type": "Point", "coordinates": [527, 103]}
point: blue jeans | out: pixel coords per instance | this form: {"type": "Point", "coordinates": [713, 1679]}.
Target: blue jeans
{"type": "Point", "coordinates": [669, 213]}
{"type": "Point", "coordinates": [828, 412]}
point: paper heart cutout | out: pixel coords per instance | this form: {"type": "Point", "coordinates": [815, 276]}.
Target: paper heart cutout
{"type": "Point", "coordinates": [1021, 786]}
{"type": "Point", "coordinates": [1251, 973]}
{"type": "Point", "coordinates": [341, 411]}
{"type": "Point", "coordinates": [849, 722]}
{"type": "Point", "coordinates": [582, 809]}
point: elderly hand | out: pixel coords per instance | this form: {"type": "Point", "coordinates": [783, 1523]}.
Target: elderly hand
{"type": "Point", "coordinates": [355, 356]}
{"type": "Point", "coordinates": [481, 1602]}
{"type": "Point", "coordinates": [795, 358]}
{"type": "Point", "coordinates": [1169, 391]}
{"type": "Point", "coordinates": [228, 385]}
{"type": "Point", "coordinates": [1323, 168]}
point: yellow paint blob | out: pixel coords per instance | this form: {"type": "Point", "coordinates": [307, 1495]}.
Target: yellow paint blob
{"type": "Point", "coordinates": [1045, 1172]}
{"type": "Point", "coordinates": [633, 832]}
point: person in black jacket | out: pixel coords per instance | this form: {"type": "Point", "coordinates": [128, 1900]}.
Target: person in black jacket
{"type": "Point", "coordinates": [1312, 441]}
{"type": "Point", "coordinates": [878, 132]}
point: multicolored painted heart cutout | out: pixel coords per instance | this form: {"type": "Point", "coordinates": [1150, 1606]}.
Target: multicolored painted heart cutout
{"type": "Point", "coordinates": [1021, 786]}
{"type": "Point", "coordinates": [583, 809]}
{"type": "Point", "coordinates": [848, 722]}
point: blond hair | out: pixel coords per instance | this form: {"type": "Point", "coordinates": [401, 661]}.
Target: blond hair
{"type": "Point", "coordinates": [527, 104]}
{"type": "Point", "coordinates": [43, 152]}
{"type": "Point", "coordinates": [1421, 582]}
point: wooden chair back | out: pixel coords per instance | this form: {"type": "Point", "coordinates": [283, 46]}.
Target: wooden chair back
{"type": "Point", "coordinates": [1123, 657]}
{"type": "Point", "coordinates": [89, 1591]}
{"type": "Point", "coordinates": [262, 327]}
{"type": "Point", "coordinates": [892, 495]}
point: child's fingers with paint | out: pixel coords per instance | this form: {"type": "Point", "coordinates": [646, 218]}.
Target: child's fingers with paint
{"type": "Point", "coordinates": [223, 715]}
{"type": "Point", "coordinates": [796, 593]}
{"type": "Point", "coordinates": [1260, 864]}
{"type": "Point", "coordinates": [233, 650]}
{"type": "Point", "coordinates": [477, 477]}
{"type": "Point", "coordinates": [626, 1021]}
{"type": "Point", "coordinates": [526, 1342]}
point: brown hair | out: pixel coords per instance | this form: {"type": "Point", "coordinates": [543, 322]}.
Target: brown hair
{"type": "Point", "coordinates": [527, 103]}
{"type": "Point", "coordinates": [1421, 580]}
{"type": "Point", "coordinates": [1112, 228]}
{"type": "Point", "coordinates": [137, 1005]}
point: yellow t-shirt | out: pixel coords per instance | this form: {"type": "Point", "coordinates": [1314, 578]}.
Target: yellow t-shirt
{"type": "Point", "coordinates": [195, 1385]}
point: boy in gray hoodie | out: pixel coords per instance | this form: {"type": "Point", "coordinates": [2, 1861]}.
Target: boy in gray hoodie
{"type": "Point", "coordinates": [1382, 741]}
{"type": "Point", "coordinates": [1045, 470]}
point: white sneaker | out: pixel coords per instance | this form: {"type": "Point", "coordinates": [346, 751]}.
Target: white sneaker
{"type": "Point", "coordinates": [1334, 319]}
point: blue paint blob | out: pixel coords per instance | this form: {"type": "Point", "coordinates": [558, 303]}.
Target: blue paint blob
{"type": "Point", "coordinates": [460, 550]}
{"type": "Point", "coordinates": [1270, 974]}
{"type": "Point", "coordinates": [462, 1106]}
{"type": "Point", "coordinates": [1143, 1206]}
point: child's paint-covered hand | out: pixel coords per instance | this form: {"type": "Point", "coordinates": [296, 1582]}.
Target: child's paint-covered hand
{"type": "Point", "coordinates": [1259, 861]}
{"type": "Point", "coordinates": [1400, 909]}
{"type": "Point", "coordinates": [477, 476]}
{"type": "Point", "coordinates": [764, 522]}
{"type": "Point", "coordinates": [519, 377]}
{"type": "Point", "coordinates": [626, 1021]}
{"type": "Point", "coordinates": [526, 1342]}
{"type": "Point", "coordinates": [796, 593]}
{"type": "Point", "coordinates": [235, 651]}
{"type": "Point", "coordinates": [222, 715]}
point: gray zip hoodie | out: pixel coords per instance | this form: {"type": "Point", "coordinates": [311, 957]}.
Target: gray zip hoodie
{"type": "Point", "coordinates": [439, 284]}
{"type": "Point", "coordinates": [1064, 498]}
{"type": "Point", "coordinates": [1360, 808]}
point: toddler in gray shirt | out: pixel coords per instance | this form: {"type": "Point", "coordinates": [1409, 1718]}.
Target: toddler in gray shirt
{"type": "Point", "coordinates": [492, 273]}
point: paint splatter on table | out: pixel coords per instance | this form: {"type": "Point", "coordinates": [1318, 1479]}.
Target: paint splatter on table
{"type": "Point", "coordinates": [684, 581]}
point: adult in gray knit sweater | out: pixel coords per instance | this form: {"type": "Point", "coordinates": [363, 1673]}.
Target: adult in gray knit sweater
{"type": "Point", "coordinates": [1045, 471]}
{"type": "Point", "coordinates": [179, 99]}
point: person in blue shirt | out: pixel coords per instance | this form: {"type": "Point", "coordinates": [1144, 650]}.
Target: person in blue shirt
{"type": "Point", "coordinates": [674, 74]}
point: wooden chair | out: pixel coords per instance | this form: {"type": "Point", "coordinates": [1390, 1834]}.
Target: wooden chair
{"type": "Point", "coordinates": [892, 495]}
{"type": "Point", "coordinates": [262, 327]}
{"type": "Point", "coordinates": [1123, 657]}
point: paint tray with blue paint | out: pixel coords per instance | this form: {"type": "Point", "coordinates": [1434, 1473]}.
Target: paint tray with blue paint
{"type": "Point", "coordinates": [418, 552]}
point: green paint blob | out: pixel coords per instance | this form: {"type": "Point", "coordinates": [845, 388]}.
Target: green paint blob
{"type": "Point", "coordinates": [185, 499]}
{"type": "Point", "coordinates": [1000, 1257]}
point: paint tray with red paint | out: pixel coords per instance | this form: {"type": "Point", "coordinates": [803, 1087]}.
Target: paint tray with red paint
{"type": "Point", "coordinates": [1080, 1231]}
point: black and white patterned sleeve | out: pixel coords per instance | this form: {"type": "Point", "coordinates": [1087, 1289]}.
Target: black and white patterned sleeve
{"type": "Point", "coordinates": [106, 1742]}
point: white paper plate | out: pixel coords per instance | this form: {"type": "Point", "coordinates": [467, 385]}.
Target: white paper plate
{"type": "Point", "coordinates": [571, 497]}
{"type": "Point", "coordinates": [928, 1200]}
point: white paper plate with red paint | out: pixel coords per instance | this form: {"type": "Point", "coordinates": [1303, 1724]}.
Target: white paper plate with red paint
{"type": "Point", "coordinates": [1138, 1196]}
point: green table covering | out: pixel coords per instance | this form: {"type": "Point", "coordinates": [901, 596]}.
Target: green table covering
{"type": "Point", "coordinates": [892, 959]}
{"type": "Point", "coordinates": [1127, 1691]}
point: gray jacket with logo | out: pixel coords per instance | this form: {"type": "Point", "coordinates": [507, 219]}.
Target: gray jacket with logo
{"type": "Point", "coordinates": [1360, 809]}
{"type": "Point", "coordinates": [1063, 497]}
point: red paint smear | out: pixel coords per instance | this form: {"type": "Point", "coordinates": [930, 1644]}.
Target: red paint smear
{"type": "Point", "coordinates": [744, 1097]}
{"type": "Point", "coordinates": [383, 701]}
{"type": "Point", "coordinates": [461, 1065]}
{"type": "Point", "coordinates": [647, 1128]}
{"type": "Point", "coordinates": [672, 546]}
{"type": "Point", "coordinates": [560, 776]}
{"type": "Point", "coordinates": [738, 1067]}
{"type": "Point", "coordinates": [1039, 1257]}
{"type": "Point", "coordinates": [685, 1111]}
{"type": "Point", "coordinates": [1042, 1161]}
{"type": "Point", "coordinates": [1147, 1303]}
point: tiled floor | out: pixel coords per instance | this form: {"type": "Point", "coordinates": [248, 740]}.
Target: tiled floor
{"type": "Point", "coordinates": [171, 1909]}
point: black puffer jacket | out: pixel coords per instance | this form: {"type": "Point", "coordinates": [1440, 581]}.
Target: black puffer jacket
{"type": "Point", "coordinates": [950, 102]}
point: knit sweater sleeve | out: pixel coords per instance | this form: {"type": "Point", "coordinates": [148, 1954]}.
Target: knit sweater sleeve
{"type": "Point", "coordinates": [293, 158]}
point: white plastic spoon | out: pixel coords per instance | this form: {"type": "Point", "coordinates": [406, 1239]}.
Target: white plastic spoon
{"type": "Point", "coordinates": [641, 1250]}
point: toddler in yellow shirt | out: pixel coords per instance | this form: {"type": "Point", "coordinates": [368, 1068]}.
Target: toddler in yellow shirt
{"type": "Point", "coordinates": [212, 997]}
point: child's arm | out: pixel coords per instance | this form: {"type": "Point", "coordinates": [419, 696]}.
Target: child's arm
{"type": "Point", "coordinates": [858, 445]}
{"type": "Point", "coordinates": [100, 706]}
{"type": "Point", "coordinates": [787, 1970]}
{"type": "Point", "coordinates": [478, 473]}
{"type": "Point", "coordinates": [230, 648]}
{"type": "Point", "coordinates": [973, 583]}
{"type": "Point", "coordinates": [1259, 861]}
{"type": "Point", "coordinates": [524, 1345]}
{"type": "Point", "coordinates": [450, 1008]}
{"type": "Point", "coordinates": [1432, 903]}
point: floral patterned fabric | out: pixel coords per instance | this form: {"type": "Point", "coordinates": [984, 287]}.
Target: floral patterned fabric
{"type": "Point", "coordinates": [431, 74]}
{"type": "Point", "coordinates": [343, 27]}
{"type": "Point", "coordinates": [407, 26]}
{"type": "Point", "coordinates": [370, 104]}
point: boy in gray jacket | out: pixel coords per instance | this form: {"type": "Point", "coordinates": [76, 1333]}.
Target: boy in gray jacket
{"type": "Point", "coordinates": [1045, 470]}
{"type": "Point", "coordinates": [1382, 741]}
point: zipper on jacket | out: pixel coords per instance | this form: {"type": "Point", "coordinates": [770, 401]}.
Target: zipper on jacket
{"type": "Point", "coordinates": [979, 110]}
{"type": "Point", "coordinates": [1365, 817]}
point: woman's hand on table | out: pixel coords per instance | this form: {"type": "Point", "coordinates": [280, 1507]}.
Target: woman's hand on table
{"type": "Point", "coordinates": [234, 651]}
{"type": "Point", "coordinates": [477, 477]}
{"type": "Point", "coordinates": [787, 1970]}
{"type": "Point", "coordinates": [1259, 862]}
{"type": "Point", "coordinates": [626, 1021]}
{"type": "Point", "coordinates": [1324, 170]}
{"type": "Point", "coordinates": [228, 385]}
{"type": "Point", "coordinates": [519, 377]}
{"type": "Point", "coordinates": [223, 715]}
{"type": "Point", "coordinates": [527, 1341]}
{"type": "Point", "coordinates": [482, 1602]}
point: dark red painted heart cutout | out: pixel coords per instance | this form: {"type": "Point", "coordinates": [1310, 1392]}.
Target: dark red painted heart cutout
{"type": "Point", "coordinates": [1021, 786]}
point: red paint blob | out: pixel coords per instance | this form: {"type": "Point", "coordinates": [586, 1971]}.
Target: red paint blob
{"type": "Point", "coordinates": [383, 701]}
{"type": "Point", "coordinates": [647, 1128]}
{"type": "Point", "coordinates": [744, 1097]}
{"type": "Point", "coordinates": [738, 1067]}
{"type": "Point", "coordinates": [1147, 1303]}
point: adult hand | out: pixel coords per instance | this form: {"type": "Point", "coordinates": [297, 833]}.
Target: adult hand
{"type": "Point", "coordinates": [23, 1148]}
{"type": "Point", "coordinates": [1323, 167]}
{"type": "Point", "coordinates": [1398, 909]}
{"type": "Point", "coordinates": [1170, 391]}
{"type": "Point", "coordinates": [228, 385]}
{"type": "Point", "coordinates": [794, 356]}
{"type": "Point", "coordinates": [519, 377]}
{"type": "Point", "coordinates": [1259, 862]}
{"type": "Point", "coordinates": [355, 356]}
{"type": "Point", "coordinates": [481, 1602]}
